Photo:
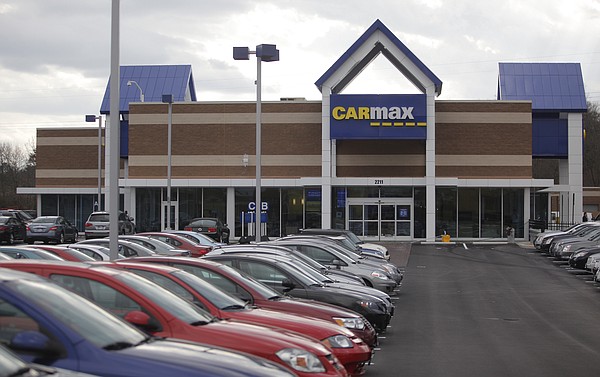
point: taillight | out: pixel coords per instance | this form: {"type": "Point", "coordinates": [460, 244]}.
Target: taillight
{"type": "Point", "coordinates": [89, 225]}
{"type": "Point", "coordinates": [212, 229]}
{"type": "Point", "coordinates": [187, 228]}
{"type": "Point", "coordinates": [27, 227]}
{"type": "Point", "coordinates": [3, 227]}
{"type": "Point", "coordinates": [54, 228]}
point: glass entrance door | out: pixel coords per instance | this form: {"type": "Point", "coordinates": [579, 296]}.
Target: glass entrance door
{"type": "Point", "coordinates": [380, 219]}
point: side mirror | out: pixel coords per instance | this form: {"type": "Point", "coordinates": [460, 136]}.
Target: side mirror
{"type": "Point", "coordinates": [288, 285]}
{"type": "Point", "coordinates": [35, 341]}
{"type": "Point", "coordinates": [337, 263]}
{"type": "Point", "coordinates": [137, 318]}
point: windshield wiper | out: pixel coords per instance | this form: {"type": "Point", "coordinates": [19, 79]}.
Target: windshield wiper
{"type": "Point", "coordinates": [118, 346]}
{"type": "Point", "coordinates": [234, 307]}
{"type": "Point", "coordinates": [275, 298]}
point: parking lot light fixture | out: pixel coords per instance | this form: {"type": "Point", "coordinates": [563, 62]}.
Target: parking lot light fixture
{"type": "Point", "coordinates": [138, 86]}
{"type": "Point", "coordinates": [91, 119]}
{"type": "Point", "coordinates": [266, 53]}
{"type": "Point", "coordinates": [168, 98]}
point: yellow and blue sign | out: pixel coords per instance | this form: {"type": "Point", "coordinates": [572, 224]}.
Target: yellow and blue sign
{"type": "Point", "coordinates": [384, 116]}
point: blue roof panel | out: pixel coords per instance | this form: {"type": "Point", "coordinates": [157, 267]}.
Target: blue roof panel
{"type": "Point", "coordinates": [549, 86]}
{"type": "Point", "coordinates": [155, 80]}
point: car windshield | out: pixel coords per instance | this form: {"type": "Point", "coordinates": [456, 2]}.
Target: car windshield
{"type": "Point", "coordinates": [87, 319]}
{"type": "Point", "coordinates": [3, 220]}
{"type": "Point", "coordinates": [44, 220]}
{"type": "Point", "coordinates": [264, 290]}
{"type": "Point", "coordinates": [217, 297]}
{"type": "Point", "coordinates": [307, 271]}
{"type": "Point", "coordinates": [10, 364]}
{"type": "Point", "coordinates": [178, 307]}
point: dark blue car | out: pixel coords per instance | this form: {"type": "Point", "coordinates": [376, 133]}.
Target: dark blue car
{"type": "Point", "coordinates": [46, 324]}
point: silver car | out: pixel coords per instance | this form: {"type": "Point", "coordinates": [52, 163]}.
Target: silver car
{"type": "Point", "coordinates": [98, 224]}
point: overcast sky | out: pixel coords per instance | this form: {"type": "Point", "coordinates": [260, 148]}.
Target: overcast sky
{"type": "Point", "coordinates": [55, 54]}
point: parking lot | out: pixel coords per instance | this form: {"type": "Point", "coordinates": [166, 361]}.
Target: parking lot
{"type": "Point", "coordinates": [495, 310]}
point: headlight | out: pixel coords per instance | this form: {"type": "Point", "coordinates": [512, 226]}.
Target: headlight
{"type": "Point", "coordinates": [369, 305]}
{"type": "Point", "coordinates": [350, 323]}
{"type": "Point", "coordinates": [301, 360]}
{"type": "Point", "coordinates": [379, 275]}
{"type": "Point", "coordinates": [566, 248]}
{"type": "Point", "coordinates": [338, 341]}
{"type": "Point", "coordinates": [389, 269]}
{"type": "Point", "coordinates": [579, 254]}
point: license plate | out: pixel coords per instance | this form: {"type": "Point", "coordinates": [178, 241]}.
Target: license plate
{"type": "Point", "coordinates": [38, 230]}
{"type": "Point", "coordinates": [100, 227]}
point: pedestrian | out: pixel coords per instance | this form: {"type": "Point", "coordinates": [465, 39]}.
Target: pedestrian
{"type": "Point", "coordinates": [585, 217]}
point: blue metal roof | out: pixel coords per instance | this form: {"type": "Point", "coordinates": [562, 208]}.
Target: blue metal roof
{"type": "Point", "coordinates": [549, 86]}
{"type": "Point", "coordinates": [379, 26]}
{"type": "Point", "coordinates": [155, 80]}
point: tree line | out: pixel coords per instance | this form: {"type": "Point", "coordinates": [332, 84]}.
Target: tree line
{"type": "Point", "coordinates": [17, 164]}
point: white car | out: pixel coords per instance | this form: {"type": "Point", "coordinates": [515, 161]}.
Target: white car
{"type": "Point", "coordinates": [593, 263]}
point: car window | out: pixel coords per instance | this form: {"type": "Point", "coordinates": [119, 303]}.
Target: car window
{"type": "Point", "coordinates": [165, 282]}
{"type": "Point", "coordinates": [14, 321]}
{"type": "Point", "coordinates": [264, 273]}
{"type": "Point", "coordinates": [99, 217]}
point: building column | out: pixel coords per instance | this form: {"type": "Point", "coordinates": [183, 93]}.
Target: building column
{"type": "Point", "coordinates": [326, 159]}
{"type": "Point", "coordinates": [430, 166]}
{"type": "Point", "coordinates": [230, 212]}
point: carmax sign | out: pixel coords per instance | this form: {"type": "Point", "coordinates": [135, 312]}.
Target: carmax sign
{"type": "Point", "coordinates": [393, 116]}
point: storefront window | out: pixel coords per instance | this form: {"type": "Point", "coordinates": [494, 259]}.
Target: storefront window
{"type": "Point", "coordinates": [49, 205]}
{"type": "Point", "coordinates": [513, 207]}
{"type": "Point", "coordinates": [147, 204]}
{"type": "Point", "coordinates": [215, 203]}
{"type": "Point", "coordinates": [445, 214]}
{"type": "Point", "coordinates": [396, 192]}
{"type": "Point", "coordinates": [468, 212]}
{"type": "Point", "coordinates": [363, 192]}
{"type": "Point", "coordinates": [190, 205]}
{"type": "Point", "coordinates": [338, 204]}
{"type": "Point", "coordinates": [272, 196]}
{"type": "Point", "coordinates": [491, 212]}
{"type": "Point", "coordinates": [312, 212]}
{"type": "Point", "coordinates": [243, 197]}
{"type": "Point", "coordinates": [291, 210]}
{"type": "Point", "coordinates": [420, 212]}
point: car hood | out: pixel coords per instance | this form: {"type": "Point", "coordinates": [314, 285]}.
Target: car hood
{"type": "Point", "coordinates": [212, 360]}
{"type": "Point", "coordinates": [316, 328]}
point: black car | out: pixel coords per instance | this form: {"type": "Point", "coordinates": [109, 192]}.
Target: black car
{"type": "Point", "coordinates": [11, 229]}
{"type": "Point", "coordinates": [210, 226]}
{"type": "Point", "coordinates": [287, 280]}
{"type": "Point", "coordinates": [55, 229]}
{"type": "Point", "coordinates": [580, 257]}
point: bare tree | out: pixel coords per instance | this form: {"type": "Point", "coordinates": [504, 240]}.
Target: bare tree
{"type": "Point", "coordinates": [591, 146]}
{"type": "Point", "coordinates": [17, 169]}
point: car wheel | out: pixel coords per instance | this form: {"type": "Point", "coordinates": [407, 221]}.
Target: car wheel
{"type": "Point", "coordinates": [61, 238]}
{"type": "Point", "coordinates": [30, 242]}
{"type": "Point", "coordinates": [11, 239]}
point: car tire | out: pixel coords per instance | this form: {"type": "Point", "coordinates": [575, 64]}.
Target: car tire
{"type": "Point", "coordinates": [61, 238]}
{"type": "Point", "coordinates": [11, 239]}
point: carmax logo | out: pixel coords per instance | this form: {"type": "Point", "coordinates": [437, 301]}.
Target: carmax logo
{"type": "Point", "coordinates": [396, 116]}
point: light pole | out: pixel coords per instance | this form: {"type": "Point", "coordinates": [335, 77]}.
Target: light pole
{"type": "Point", "coordinates": [266, 53]}
{"type": "Point", "coordinates": [138, 86]}
{"type": "Point", "coordinates": [168, 98]}
{"type": "Point", "coordinates": [91, 119]}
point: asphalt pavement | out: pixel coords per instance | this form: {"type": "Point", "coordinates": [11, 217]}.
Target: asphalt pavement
{"type": "Point", "coordinates": [495, 310]}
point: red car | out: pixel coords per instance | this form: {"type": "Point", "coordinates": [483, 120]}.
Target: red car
{"type": "Point", "coordinates": [352, 352]}
{"type": "Point", "coordinates": [256, 293]}
{"type": "Point", "coordinates": [161, 313]}
{"type": "Point", "coordinates": [65, 253]}
{"type": "Point", "coordinates": [179, 242]}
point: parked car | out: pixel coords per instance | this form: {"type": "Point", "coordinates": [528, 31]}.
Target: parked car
{"type": "Point", "coordinates": [593, 263]}
{"type": "Point", "coordinates": [180, 242]}
{"type": "Point", "coordinates": [578, 231]}
{"type": "Point", "coordinates": [368, 248]}
{"type": "Point", "coordinates": [352, 352]}
{"type": "Point", "coordinates": [64, 252]}
{"type": "Point", "coordinates": [557, 249]}
{"type": "Point", "coordinates": [156, 245]}
{"type": "Point", "coordinates": [97, 252]}
{"type": "Point", "coordinates": [126, 248]}
{"type": "Point", "coordinates": [24, 216]}
{"type": "Point", "coordinates": [19, 252]}
{"type": "Point", "coordinates": [12, 229]}
{"type": "Point", "coordinates": [161, 313]}
{"type": "Point", "coordinates": [285, 279]}
{"type": "Point", "coordinates": [372, 274]}
{"type": "Point", "coordinates": [98, 224]}
{"type": "Point", "coordinates": [81, 336]}
{"type": "Point", "coordinates": [539, 239]}
{"type": "Point", "coordinates": [47, 229]}
{"type": "Point", "coordinates": [580, 257]}
{"type": "Point", "coordinates": [212, 227]}
{"type": "Point", "coordinates": [250, 290]}
{"type": "Point", "coordinates": [199, 238]}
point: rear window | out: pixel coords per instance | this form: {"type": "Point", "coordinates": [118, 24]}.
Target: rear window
{"type": "Point", "coordinates": [45, 220]}
{"type": "Point", "coordinates": [205, 223]}
{"type": "Point", "coordinates": [99, 217]}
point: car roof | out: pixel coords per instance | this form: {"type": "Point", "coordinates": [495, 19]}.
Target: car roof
{"type": "Point", "coordinates": [7, 274]}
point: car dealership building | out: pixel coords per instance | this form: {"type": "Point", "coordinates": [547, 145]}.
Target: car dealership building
{"type": "Point", "coordinates": [388, 167]}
